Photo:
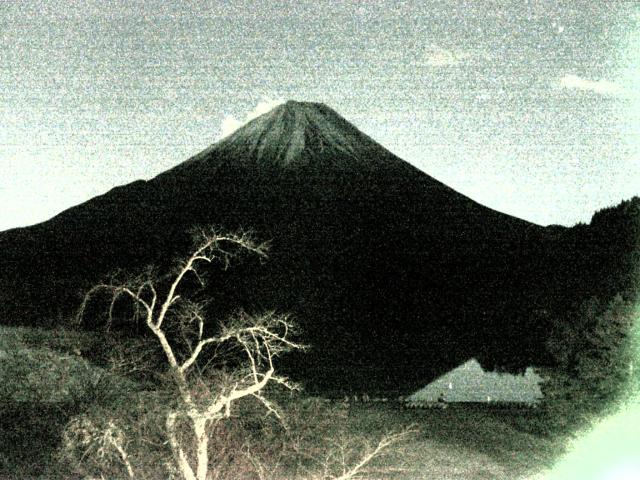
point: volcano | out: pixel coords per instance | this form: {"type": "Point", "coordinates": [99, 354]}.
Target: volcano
{"type": "Point", "coordinates": [394, 277]}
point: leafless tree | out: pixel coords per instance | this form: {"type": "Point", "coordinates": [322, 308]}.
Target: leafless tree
{"type": "Point", "coordinates": [187, 343]}
{"type": "Point", "coordinates": [164, 307]}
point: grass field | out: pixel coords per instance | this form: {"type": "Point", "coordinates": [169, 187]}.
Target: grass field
{"type": "Point", "coordinates": [462, 442]}
{"type": "Point", "coordinates": [44, 387]}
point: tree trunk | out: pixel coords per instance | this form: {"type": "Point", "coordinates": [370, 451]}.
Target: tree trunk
{"type": "Point", "coordinates": [202, 439]}
{"type": "Point", "coordinates": [181, 458]}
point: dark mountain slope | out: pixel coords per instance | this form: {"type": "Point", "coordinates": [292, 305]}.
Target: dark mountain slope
{"type": "Point", "coordinates": [394, 276]}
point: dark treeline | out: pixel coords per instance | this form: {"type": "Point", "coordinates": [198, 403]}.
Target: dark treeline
{"type": "Point", "coordinates": [594, 336]}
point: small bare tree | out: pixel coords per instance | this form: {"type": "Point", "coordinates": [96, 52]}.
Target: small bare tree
{"type": "Point", "coordinates": [165, 310]}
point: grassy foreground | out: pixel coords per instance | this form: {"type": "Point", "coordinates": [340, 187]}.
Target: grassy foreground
{"type": "Point", "coordinates": [458, 443]}
{"type": "Point", "coordinates": [461, 442]}
{"type": "Point", "coordinates": [45, 387]}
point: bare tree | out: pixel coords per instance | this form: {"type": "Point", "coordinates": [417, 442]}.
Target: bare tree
{"type": "Point", "coordinates": [187, 343]}
{"type": "Point", "coordinates": [165, 309]}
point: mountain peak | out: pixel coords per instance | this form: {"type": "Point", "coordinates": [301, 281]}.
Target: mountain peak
{"type": "Point", "coordinates": [295, 132]}
{"type": "Point", "coordinates": [293, 105]}
{"type": "Point", "coordinates": [299, 134]}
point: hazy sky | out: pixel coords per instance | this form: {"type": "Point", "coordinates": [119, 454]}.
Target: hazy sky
{"type": "Point", "coordinates": [532, 108]}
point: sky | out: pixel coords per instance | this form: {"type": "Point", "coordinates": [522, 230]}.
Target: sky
{"type": "Point", "coordinates": [531, 108]}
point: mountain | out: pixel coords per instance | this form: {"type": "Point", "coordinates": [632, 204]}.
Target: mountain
{"type": "Point", "coordinates": [297, 134]}
{"type": "Point", "coordinates": [394, 277]}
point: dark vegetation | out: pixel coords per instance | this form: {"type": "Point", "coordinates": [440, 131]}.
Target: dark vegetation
{"type": "Point", "coordinates": [594, 338]}
{"type": "Point", "coordinates": [480, 443]}
{"type": "Point", "coordinates": [596, 354]}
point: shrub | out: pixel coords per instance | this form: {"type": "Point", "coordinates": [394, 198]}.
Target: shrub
{"type": "Point", "coordinates": [594, 350]}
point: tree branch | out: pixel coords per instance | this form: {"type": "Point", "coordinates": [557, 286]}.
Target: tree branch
{"type": "Point", "coordinates": [196, 352]}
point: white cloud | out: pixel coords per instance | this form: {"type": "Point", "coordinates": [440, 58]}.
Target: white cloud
{"type": "Point", "coordinates": [439, 57]}
{"type": "Point", "coordinates": [603, 87]}
{"type": "Point", "coordinates": [230, 123]}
